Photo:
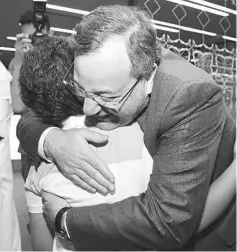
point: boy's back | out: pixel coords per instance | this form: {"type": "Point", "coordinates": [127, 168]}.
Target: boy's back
{"type": "Point", "coordinates": [126, 156]}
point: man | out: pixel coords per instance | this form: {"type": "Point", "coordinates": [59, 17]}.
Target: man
{"type": "Point", "coordinates": [122, 75]}
{"type": "Point", "coordinates": [23, 45]}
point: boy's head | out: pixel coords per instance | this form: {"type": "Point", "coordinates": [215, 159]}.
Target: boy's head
{"type": "Point", "coordinates": [41, 80]}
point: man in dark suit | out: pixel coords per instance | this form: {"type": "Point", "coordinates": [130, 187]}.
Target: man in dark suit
{"type": "Point", "coordinates": [121, 74]}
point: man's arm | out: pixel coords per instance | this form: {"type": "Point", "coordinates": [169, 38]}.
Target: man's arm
{"type": "Point", "coordinates": [69, 150]}
{"type": "Point", "coordinates": [29, 129]}
{"type": "Point", "coordinates": [168, 213]}
{"type": "Point", "coordinates": [17, 103]}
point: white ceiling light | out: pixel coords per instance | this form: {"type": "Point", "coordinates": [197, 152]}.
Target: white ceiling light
{"type": "Point", "coordinates": [7, 49]}
{"type": "Point", "coordinates": [66, 9]}
{"type": "Point", "coordinates": [11, 38]}
{"type": "Point", "coordinates": [159, 27]}
{"type": "Point", "coordinates": [62, 30]}
{"type": "Point", "coordinates": [215, 6]}
{"type": "Point", "coordinates": [229, 38]}
{"type": "Point", "coordinates": [200, 7]}
{"type": "Point", "coordinates": [184, 28]}
{"type": "Point", "coordinates": [51, 28]}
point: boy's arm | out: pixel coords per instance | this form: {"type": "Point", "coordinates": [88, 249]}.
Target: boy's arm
{"type": "Point", "coordinates": [41, 237]}
{"type": "Point", "coordinates": [220, 194]}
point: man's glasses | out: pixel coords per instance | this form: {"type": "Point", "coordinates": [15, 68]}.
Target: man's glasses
{"type": "Point", "coordinates": [111, 102]}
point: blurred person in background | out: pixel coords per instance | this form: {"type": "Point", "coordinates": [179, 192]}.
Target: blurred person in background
{"type": "Point", "coordinates": [23, 45]}
{"type": "Point", "coordinates": [10, 238]}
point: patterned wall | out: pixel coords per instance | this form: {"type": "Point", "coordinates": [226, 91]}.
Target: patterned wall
{"type": "Point", "coordinates": [217, 60]}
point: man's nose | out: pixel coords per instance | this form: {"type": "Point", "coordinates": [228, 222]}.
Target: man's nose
{"type": "Point", "coordinates": [91, 107]}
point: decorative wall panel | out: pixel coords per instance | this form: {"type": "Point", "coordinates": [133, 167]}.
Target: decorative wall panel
{"type": "Point", "coordinates": [219, 60]}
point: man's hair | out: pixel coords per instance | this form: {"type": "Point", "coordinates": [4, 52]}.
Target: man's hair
{"type": "Point", "coordinates": [131, 22]}
{"type": "Point", "coordinates": [41, 80]}
{"type": "Point", "coordinates": [28, 18]}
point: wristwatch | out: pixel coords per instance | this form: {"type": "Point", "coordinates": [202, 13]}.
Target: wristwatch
{"type": "Point", "coordinates": [60, 230]}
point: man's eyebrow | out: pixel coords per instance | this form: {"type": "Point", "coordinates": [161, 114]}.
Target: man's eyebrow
{"type": "Point", "coordinates": [103, 92]}
{"type": "Point", "coordinates": [99, 92]}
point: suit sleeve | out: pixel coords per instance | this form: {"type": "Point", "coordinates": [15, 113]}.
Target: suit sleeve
{"type": "Point", "coordinates": [168, 213]}
{"type": "Point", "coordinates": [29, 129]}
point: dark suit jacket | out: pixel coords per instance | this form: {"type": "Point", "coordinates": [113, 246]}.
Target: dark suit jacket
{"type": "Point", "coordinates": [190, 133]}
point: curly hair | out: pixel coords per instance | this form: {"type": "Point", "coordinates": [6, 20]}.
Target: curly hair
{"type": "Point", "coordinates": [131, 22]}
{"type": "Point", "coordinates": [41, 80]}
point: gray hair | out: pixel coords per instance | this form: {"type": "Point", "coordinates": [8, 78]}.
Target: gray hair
{"type": "Point", "coordinates": [131, 22]}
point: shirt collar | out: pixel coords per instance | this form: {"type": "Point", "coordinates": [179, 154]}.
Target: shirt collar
{"type": "Point", "coordinates": [150, 82]}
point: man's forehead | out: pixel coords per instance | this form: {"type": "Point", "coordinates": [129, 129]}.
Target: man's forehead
{"type": "Point", "coordinates": [110, 60]}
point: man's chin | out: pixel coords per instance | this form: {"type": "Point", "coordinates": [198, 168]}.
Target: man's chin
{"type": "Point", "coordinates": [92, 121]}
{"type": "Point", "coordinates": [107, 125]}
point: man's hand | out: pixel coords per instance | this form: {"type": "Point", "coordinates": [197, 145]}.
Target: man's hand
{"type": "Point", "coordinates": [70, 150]}
{"type": "Point", "coordinates": [52, 204]}
{"type": "Point", "coordinates": [22, 46]}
